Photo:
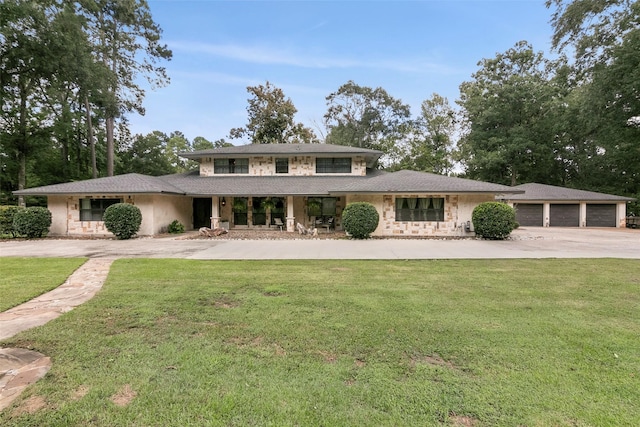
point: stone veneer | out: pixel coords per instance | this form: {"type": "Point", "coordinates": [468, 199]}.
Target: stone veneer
{"type": "Point", "coordinates": [457, 211]}
{"type": "Point", "coordinates": [75, 226]}
{"type": "Point", "coordinates": [298, 166]}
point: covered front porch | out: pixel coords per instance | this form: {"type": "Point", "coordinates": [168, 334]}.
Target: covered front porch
{"type": "Point", "coordinates": [268, 212]}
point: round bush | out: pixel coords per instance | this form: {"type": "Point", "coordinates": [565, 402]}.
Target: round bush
{"type": "Point", "coordinates": [32, 222]}
{"type": "Point", "coordinates": [360, 219]}
{"type": "Point", "coordinates": [493, 220]}
{"type": "Point", "coordinates": [123, 220]}
{"type": "Point", "coordinates": [176, 227]}
{"type": "Point", "coordinates": [6, 219]}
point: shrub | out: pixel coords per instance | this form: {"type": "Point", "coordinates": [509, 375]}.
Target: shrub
{"type": "Point", "coordinates": [494, 220]}
{"type": "Point", "coordinates": [360, 219]}
{"type": "Point", "coordinates": [176, 227]}
{"type": "Point", "coordinates": [123, 220]}
{"type": "Point", "coordinates": [32, 222]}
{"type": "Point", "coordinates": [6, 219]}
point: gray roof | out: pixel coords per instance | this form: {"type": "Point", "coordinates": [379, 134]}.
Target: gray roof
{"type": "Point", "coordinates": [376, 181]}
{"type": "Point", "coordinates": [540, 192]}
{"type": "Point", "coordinates": [317, 150]}
{"type": "Point", "coordinates": [191, 183]}
{"type": "Point", "coordinates": [132, 183]}
{"type": "Point", "coordinates": [407, 181]}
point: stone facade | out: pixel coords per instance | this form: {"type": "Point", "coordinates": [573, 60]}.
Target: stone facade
{"type": "Point", "coordinates": [298, 166]}
{"type": "Point", "coordinates": [457, 211]}
{"type": "Point", "coordinates": [157, 213]}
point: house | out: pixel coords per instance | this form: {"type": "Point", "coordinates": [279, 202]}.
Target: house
{"type": "Point", "coordinates": [261, 186]}
{"type": "Point", "coordinates": [541, 205]}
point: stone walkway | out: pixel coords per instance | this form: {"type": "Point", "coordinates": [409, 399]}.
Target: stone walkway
{"type": "Point", "coordinates": [20, 368]}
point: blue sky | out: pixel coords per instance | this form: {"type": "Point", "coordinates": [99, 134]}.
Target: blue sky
{"type": "Point", "coordinates": [309, 49]}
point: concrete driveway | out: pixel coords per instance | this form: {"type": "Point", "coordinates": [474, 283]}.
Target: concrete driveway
{"type": "Point", "coordinates": [525, 243]}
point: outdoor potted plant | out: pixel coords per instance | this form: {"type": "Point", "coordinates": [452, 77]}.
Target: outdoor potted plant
{"type": "Point", "coordinates": [268, 204]}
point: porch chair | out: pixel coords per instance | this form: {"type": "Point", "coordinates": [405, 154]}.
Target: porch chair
{"type": "Point", "coordinates": [329, 224]}
{"type": "Point", "coordinates": [278, 222]}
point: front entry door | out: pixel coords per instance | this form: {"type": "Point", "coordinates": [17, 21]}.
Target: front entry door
{"type": "Point", "coordinates": [201, 212]}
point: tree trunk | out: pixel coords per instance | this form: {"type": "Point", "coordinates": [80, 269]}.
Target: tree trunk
{"type": "Point", "coordinates": [22, 143]}
{"type": "Point", "coordinates": [92, 144]}
{"type": "Point", "coordinates": [110, 123]}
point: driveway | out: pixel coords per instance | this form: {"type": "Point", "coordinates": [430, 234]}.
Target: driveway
{"type": "Point", "coordinates": [529, 242]}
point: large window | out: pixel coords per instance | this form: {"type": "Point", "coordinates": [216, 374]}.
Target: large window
{"type": "Point", "coordinates": [321, 206]}
{"type": "Point", "coordinates": [240, 207]}
{"type": "Point", "coordinates": [93, 209]}
{"type": "Point", "coordinates": [231, 166]}
{"type": "Point", "coordinates": [282, 165]}
{"type": "Point", "coordinates": [419, 209]}
{"type": "Point", "coordinates": [333, 165]}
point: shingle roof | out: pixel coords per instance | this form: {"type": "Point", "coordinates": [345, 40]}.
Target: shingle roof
{"type": "Point", "coordinates": [193, 184]}
{"type": "Point", "coordinates": [131, 183]}
{"type": "Point", "coordinates": [420, 182]}
{"type": "Point", "coordinates": [317, 150]}
{"type": "Point", "coordinates": [535, 191]}
{"type": "Point", "coordinates": [375, 182]}
{"type": "Point", "coordinates": [273, 185]}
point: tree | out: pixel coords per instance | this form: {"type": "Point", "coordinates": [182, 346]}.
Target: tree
{"type": "Point", "coordinates": [147, 154]}
{"type": "Point", "coordinates": [359, 116]}
{"type": "Point", "coordinates": [592, 27]}
{"type": "Point", "coordinates": [604, 35]}
{"type": "Point", "coordinates": [200, 143]}
{"type": "Point", "coordinates": [25, 33]}
{"type": "Point", "coordinates": [127, 41]}
{"type": "Point", "coordinates": [508, 108]}
{"type": "Point", "coordinates": [271, 119]}
{"type": "Point", "coordinates": [430, 141]}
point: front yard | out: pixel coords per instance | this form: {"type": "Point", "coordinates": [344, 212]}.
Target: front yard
{"type": "Point", "coordinates": [469, 343]}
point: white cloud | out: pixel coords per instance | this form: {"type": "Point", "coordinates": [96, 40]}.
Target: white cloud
{"type": "Point", "coordinates": [267, 55]}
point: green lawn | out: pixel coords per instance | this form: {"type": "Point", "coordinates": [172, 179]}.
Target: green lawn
{"type": "Point", "coordinates": [337, 343]}
{"type": "Point", "coordinates": [22, 279]}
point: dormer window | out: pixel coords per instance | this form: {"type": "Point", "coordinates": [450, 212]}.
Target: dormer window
{"type": "Point", "coordinates": [282, 165]}
{"type": "Point", "coordinates": [333, 165]}
{"type": "Point", "coordinates": [230, 166]}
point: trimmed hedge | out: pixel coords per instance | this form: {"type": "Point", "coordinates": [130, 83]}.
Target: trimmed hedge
{"type": "Point", "coordinates": [32, 222]}
{"type": "Point", "coordinates": [6, 219]}
{"type": "Point", "coordinates": [494, 220]}
{"type": "Point", "coordinates": [123, 220]}
{"type": "Point", "coordinates": [360, 219]}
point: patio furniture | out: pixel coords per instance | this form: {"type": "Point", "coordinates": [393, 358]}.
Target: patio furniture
{"type": "Point", "coordinates": [278, 222]}
{"type": "Point", "coordinates": [328, 224]}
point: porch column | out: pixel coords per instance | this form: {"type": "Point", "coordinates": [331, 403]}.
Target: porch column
{"type": "Point", "coordinates": [583, 214]}
{"type": "Point", "coordinates": [291, 220]}
{"type": "Point", "coordinates": [215, 212]}
{"type": "Point", "coordinates": [546, 213]}
{"type": "Point", "coordinates": [621, 212]}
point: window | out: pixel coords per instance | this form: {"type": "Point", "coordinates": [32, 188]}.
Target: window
{"type": "Point", "coordinates": [420, 209]}
{"type": "Point", "coordinates": [240, 216]}
{"type": "Point", "coordinates": [93, 209]}
{"type": "Point", "coordinates": [333, 165]}
{"type": "Point", "coordinates": [230, 166]}
{"type": "Point", "coordinates": [321, 206]}
{"type": "Point", "coordinates": [282, 165]}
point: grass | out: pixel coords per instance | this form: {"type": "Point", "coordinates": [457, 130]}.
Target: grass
{"type": "Point", "coordinates": [22, 279]}
{"type": "Point", "coordinates": [358, 343]}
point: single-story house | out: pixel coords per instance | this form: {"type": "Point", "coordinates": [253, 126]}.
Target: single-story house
{"type": "Point", "coordinates": [277, 186]}
{"type": "Point", "coordinates": [540, 205]}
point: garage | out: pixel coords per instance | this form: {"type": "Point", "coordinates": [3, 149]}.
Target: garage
{"type": "Point", "coordinates": [561, 215]}
{"type": "Point", "coordinates": [552, 206]}
{"type": "Point", "coordinates": [601, 215]}
{"type": "Point", "coordinates": [530, 214]}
